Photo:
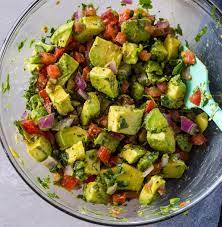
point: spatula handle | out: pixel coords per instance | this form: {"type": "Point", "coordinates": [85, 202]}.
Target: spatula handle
{"type": "Point", "coordinates": [214, 112]}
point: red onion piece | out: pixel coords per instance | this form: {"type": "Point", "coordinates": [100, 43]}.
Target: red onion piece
{"type": "Point", "coordinates": [25, 115]}
{"type": "Point", "coordinates": [148, 171]}
{"type": "Point", "coordinates": [169, 120]}
{"type": "Point", "coordinates": [112, 66]}
{"type": "Point", "coordinates": [127, 2]}
{"type": "Point", "coordinates": [188, 126]}
{"type": "Point", "coordinates": [68, 171]}
{"type": "Point", "coordinates": [83, 94]}
{"type": "Point", "coordinates": [46, 122]}
{"type": "Point", "coordinates": [78, 14]}
{"type": "Point", "coordinates": [162, 28]}
{"type": "Point", "coordinates": [163, 24]}
{"type": "Point", "coordinates": [164, 160]}
{"type": "Point", "coordinates": [80, 83]}
{"type": "Point", "coordinates": [117, 135]}
{"type": "Point", "coordinates": [65, 123]}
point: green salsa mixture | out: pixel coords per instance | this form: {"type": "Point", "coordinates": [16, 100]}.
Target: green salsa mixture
{"type": "Point", "coordinates": [105, 105]}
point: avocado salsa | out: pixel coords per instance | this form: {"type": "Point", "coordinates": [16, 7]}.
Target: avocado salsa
{"type": "Point", "coordinates": [105, 106]}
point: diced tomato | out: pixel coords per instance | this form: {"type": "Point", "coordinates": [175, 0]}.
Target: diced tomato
{"type": "Point", "coordinates": [110, 18]}
{"type": "Point", "coordinates": [188, 57]}
{"type": "Point", "coordinates": [198, 139]}
{"type": "Point", "coordinates": [150, 104]}
{"type": "Point", "coordinates": [47, 58]}
{"type": "Point", "coordinates": [125, 86]}
{"type": "Point", "coordinates": [183, 155]}
{"type": "Point", "coordinates": [124, 16]}
{"type": "Point", "coordinates": [47, 102]}
{"type": "Point", "coordinates": [90, 11]}
{"type": "Point", "coordinates": [174, 115]}
{"type": "Point", "coordinates": [78, 27]}
{"type": "Point", "coordinates": [116, 135]}
{"type": "Point", "coordinates": [69, 182]}
{"type": "Point", "coordinates": [103, 154]}
{"type": "Point", "coordinates": [90, 178]}
{"type": "Point", "coordinates": [163, 87]}
{"type": "Point", "coordinates": [82, 48]}
{"type": "Point", "coordinates": [30, 127]}
{"type": "Point", "coordinates": [144, 55]}
{"type": "Point", "coordinates": [132, 195]}
{"type": "Point", "coordinates": [41, 82]}
{"type": "Point", "coordinates": [49, 136]}
{"type": "Point", "coordinates": [153, 91]}
{"type": "Point", "coordinates": [53, 71]}
{"type": "Point", "coordinates": [113, 161]}
{"type": "Point", "coordinates": [110, 32]}
{"type": "Point", "coordinates": [119, 198]}
{"type": "Point", "coordinates": [157, 168]}
{"type": "Point", "coordinates": [196, 98]}
{"type": "Point", "coordinates": [103, 121]}
{"type": "Point", "coordinates": [44, 94]}
{"type": "Point", "coordinates": [79, 57]}
{"type": "Point", "coordinates": [182, 204]}
{"type": "Point", "coordinates": [59, 52]}
{"type": "Point", "coordinates": [85, 73]}
{"type": "Point", "coordinates": [121, 38]}
{"type": "Point", "coordinates": [93, 131]}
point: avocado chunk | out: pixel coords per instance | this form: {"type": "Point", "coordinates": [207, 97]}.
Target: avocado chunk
{"type": "Point", "coordinates": [40, 149]}
{"type": "Point", "coordinates": [38, 113]}
{"type": "Point", "coordinates": [154, 68]}
{"type": "Point", "coordinates": [202, 121]}
{"type": "Point", "coordinates": [62, 34]}
{"type": "Point", "coordinates": [91, 108]}
{"type": "Point", "coordinates": [43, 47]}
{"type": "Point", "coordinates": [67, 66]}
{"type": "Point", "coordinates": [60, 100]}
{"type": "Point", "coordinates": [125, 119]}
{"type": "Point", "coordinates": [174, 97]}
{"type": "Point", "coordinates": [155, 121]}
{"type": "Point", "coordinates": [132, 153]}
{"type": "Point", "coordinates": [137, 91]}
{"type": "Point", "coordinates": [104, 81]}
{"type": "Point", "coordinates": [69, 136]}
{"type": "Point", "coordinates": [135, 30]}
{"type": "Point", "coordinates": [103, 52]}
{"type": "Point", "coordinates": [93, 25]}
{"type": "Point", "coordinates": [92, 165]}
{"type": "Point", "coordinates": [162, 141]}
{"type": "Point", "coordinates": [158, 51]}
{"type": "Point", "coordinates": [183, 142]}
{"type": "Point", "coordinates": [147, 160]}
{"type": "Point", "coordinates": [131, 52]}
{"type": "Point", "coordinates": [124, 71]}
{"type": "Point", "coordinates": [33, 68]}
{"type": "Point", "coordinates": [95, 192]}
{"type": "Point", "coordinates": [172, 45]}
{"type": "Point", "coordinates": [149, 191]}
{"type": "Point", "coordinates": [75, 152]}
{"type": "Point", "coordinates": [104, 139]}
{"type": "Point", "coordinates": [129, 179]}
{"type": "Point", "coordinates": [174, 169]}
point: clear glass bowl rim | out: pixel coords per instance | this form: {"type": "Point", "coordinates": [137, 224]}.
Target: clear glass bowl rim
{"type": "Point", "coordinates": [53, 202]}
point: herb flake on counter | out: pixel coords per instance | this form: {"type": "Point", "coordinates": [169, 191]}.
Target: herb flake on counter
{"type": "Point", "coordinates": [21, 45]}
{"type": "Point", "coordinates": [147, 4]}
{"type": "Point", "coordinates": [6, 85]}
{"type": "Point", "coordinates": [32, 41]}
{"type": "Point", "coordinates": [44, 182]}
{"type": "Point", "coordinates": [202, 32]}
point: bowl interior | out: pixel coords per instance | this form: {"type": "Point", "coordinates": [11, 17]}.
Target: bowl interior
{"type": "Point", "coordinates": [205, 171]}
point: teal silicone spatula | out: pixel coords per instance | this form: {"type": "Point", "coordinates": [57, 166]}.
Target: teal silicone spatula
{"type": "Point", "coordinates": [199, 74]}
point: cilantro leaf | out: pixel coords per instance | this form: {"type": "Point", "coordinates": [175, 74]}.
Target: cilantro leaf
{"type": "Point", "coordinates": [6, 85]}
{"type": "Point", "coordinates": [202, 32]}
{"type": "Point", "coordinates": [21, 45]}
{"type": "Point", "coordinates": [178, 30]}
{"type": "Point", "coordinates": [44, 182]}
{"type": "Point", "coordinates": [52, 195]}
{"type": "Point", "coordinates": [147, 4]}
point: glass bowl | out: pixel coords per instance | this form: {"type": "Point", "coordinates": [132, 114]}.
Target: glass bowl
{"type": "Point", "coordinates": [205, 168]}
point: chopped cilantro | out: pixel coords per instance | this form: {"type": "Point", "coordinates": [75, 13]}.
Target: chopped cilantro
{"type": "Point", "coordinates": [213, 13]}
{"type": "Point", "coordinates": [202, 32]}
{"type": "Point", "coordinates": [178, 68]}
{"type": "Point", "coordinates": [147, 4]}
{"type": "Point", "coordinates": [84, 6]}
{"type": "Point", "coordinates": [32, 41]}
{"type": "Point", "coordinates": [44, 182]}
{"type": "Point", "coordinates": [187, 44]}
{"type": "Point", "coordinates": [6, 85]}
{"type": "Point", "coordinates": [178, 30]}
{"type": "Point", "coordinates": [123, 124]}
{"type": "Point", "coordinates": [21, 45]}
{"type": "Point", "coordinates": [52, 195]}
